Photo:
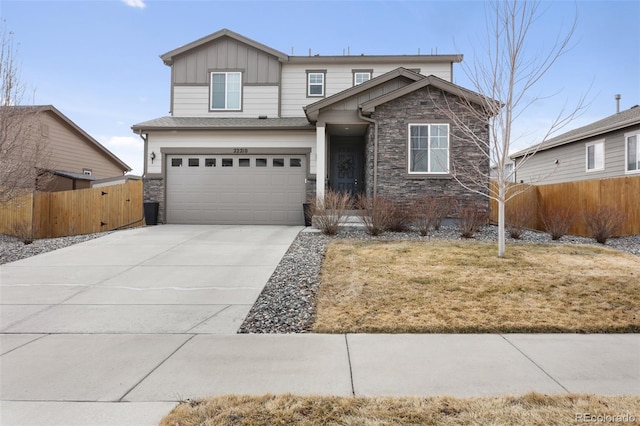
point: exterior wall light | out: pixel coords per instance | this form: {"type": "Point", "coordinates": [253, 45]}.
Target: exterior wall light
{"type": "Point", "coordinates": [153, 156]}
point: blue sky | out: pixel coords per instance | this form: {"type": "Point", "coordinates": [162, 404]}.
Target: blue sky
{"type": "Point", "coordinates": [98, 61]}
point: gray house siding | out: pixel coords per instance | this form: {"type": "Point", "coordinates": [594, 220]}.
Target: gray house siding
{"type": "Point", "coordinates": [541, 168]}
{"type": "Point", "coordinates": [394, 181]}
{"type": "Point", "coordinates": [193, 67]}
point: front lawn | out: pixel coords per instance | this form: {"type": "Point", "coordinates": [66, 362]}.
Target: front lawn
{"type": "Point", "coordinates": [529, 409]}
{"type": "Point", "coordinates": [463, 287]}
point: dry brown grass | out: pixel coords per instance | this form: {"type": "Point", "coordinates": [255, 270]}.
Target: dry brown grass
{"type": "Point", "coordinates": [463, 287]}
{"type": "Point", "coordinates": [529, 409]}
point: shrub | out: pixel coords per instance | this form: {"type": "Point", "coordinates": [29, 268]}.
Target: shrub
{"type": "Point", "coordinates": [603, 222]}
{"type": "Point", "coordinates": [375, 213]}
{"type": "Point", "coordinates": [557, 221]}
{"type": "Point", "coordinates": [517, 219]}
{"type": "Point", "coordinates": [429, 212]}
{"type": "Point", "coordinates": [471, 220]}
{"type": "Point", "coordinates": [24, 231]}
{"type": "Point", "coordinates": [330, 212]}
{"type": "Point", "coordinates": [401, 217]}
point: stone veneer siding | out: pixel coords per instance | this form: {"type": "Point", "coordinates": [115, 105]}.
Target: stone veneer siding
{"type": "Point", "coordinates": [153, 191]}
{"type": "Point", "coordinates": [394, 181]}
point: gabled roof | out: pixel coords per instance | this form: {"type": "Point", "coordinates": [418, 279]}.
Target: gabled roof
{"type": "Point", "coordinates": [167, 58]}
{"type": "Point", "coordinates": [74, 127]}
{"type": "Point", "coordinates": [369, 106]}
{"type": "Point", "coordinates": [206, 123]}
{"type": "Point", "coordinates": [620, 120]}
{"type": "Point", "coordinates": [313, 109]}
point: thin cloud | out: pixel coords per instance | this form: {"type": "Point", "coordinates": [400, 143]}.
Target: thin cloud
{"type": "Point", "coordinates": [138, 4]}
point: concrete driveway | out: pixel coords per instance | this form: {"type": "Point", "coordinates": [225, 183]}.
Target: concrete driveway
{"type": "Point", "coordinates": [114, 331]}
{"type": "Point", "coordinates": [91, 321]}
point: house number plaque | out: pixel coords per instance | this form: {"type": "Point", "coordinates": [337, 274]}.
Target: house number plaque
{"type": "Point", "coordinates": [240, 150]}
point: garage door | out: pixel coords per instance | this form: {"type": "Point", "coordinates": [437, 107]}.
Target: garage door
{"type": "Point", "coordinates": [232, 189]}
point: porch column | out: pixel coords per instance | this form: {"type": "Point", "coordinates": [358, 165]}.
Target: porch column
{"type": "Point", "coordinates": [321, 157]}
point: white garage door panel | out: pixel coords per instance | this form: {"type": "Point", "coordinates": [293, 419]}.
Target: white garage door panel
{"type": "Point", "coordinates": [236, 195]}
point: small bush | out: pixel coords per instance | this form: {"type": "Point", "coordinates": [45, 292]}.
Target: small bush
{"type": "Point", "coordinates": [557, 221]}
{"type": "Point", "coordinates": [429, 212]}
{"type": "Point", "coordinates": [401, 217]}
{"type": "Point", "coordinates": [471, 220]}
{"type": "Point", "coordinates": [375, 213]}
{"type": "Point", "coordinates": [518, 219]}
{"type": "Point", "coordinates": [24, 231]}
{"type": "Point", "coordinates": [603, 222]}
{"type": "Point", "coordinates": [329, 213]}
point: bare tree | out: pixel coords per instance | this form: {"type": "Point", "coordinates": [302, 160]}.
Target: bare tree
{"type": "Point", "coordinates": [24, 154]}
{"type": "Point", "coordinates": [505, 75]}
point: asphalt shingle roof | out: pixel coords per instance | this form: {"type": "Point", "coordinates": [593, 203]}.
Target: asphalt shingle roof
{"type": "Point", "coordinates": [204, 123]}
{"type": "Point", "coordinates": [613, 122]}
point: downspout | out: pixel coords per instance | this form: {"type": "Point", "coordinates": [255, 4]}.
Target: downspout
{"type": "Point", "coordinates": [144, 138]}
{"type": "Point", "coordinates": [375, 149]}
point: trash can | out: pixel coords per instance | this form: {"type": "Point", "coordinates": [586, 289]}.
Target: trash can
{"type": "Point", "coordinates": [151, 213]}
{"type": "Point", "coordinates": [306, 208]}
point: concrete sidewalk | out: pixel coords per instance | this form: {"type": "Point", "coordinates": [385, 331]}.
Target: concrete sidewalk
{"type": "Point", "coordinates": [115, 331]}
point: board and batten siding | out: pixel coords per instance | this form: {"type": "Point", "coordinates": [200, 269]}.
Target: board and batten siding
{"type": "Point", "coordinates": [338, 77]}
{"type": "Point", "coordinates": [193, 101]}
{"type": "Point", "coordinates": [541, 168]}
{"type": "Point", "coordinates": [229, 139]}
{"type": "Point", "coordinates": [72, 153]}
{"type": "Point", "coordinates": [257, 66]}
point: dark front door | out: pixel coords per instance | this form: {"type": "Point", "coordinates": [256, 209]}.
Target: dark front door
{"type": "Point", "coordinates": [347, 160]}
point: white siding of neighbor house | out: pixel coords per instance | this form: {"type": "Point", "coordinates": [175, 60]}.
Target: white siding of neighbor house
{"type": "Point", "coordinates": [230, 139]}
{"type": "Point", "coordinates": [572, 162]}
{"type": "Point", "coordinates": [338, 77]}
{"type": "Point", "coordinates": [193, 101]}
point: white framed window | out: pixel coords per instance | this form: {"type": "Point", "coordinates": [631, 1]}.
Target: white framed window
{"type": "Point", "coordinates": [428, 148]}
{"type": "Point", "coordinates": [315, 83]}
{"type": "Point", "coordinates": [595, 156]}
{"type": "Point", "coordinates": [360, 77]}
{"type": "Point", "coordinates": [86, 172]}
{"type": "Point", "coordinates": [632, 152]}
{"type": "Point", "coordinates": [226, 91]}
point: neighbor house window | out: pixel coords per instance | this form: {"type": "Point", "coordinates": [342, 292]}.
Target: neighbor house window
{"type": "Point", "coordinates": [86, 172]}
{"type": "Point", "coordinates": [428, 148]}
{"type": "Point", "coordinates": [315, 83]}
{"type": "Point", "coordinates": [360, 77]}
{"type": "Point", "coordinates": [226, 91]}
{"type": "Point", "coordinates": [595, 156]}
{"type": "Point", "coordinates": [633, 152]}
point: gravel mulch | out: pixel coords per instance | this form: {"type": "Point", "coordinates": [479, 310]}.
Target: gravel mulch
{"type": "Point", "coordinates": [12, 248]}
{"type": "Point", "coordinates": [287, 303]}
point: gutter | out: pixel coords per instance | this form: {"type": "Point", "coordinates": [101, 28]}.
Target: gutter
{"type": "Point", "coordinates": [375, 149]}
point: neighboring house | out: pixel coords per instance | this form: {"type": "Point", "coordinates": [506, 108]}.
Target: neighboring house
{"type": "Point", "coordinates": [508, 171]}
{"type": "Point", "coordinates": [607, 148]}
{"type": "Point", "coordinates": [73, 157]}
{"type": "Point", "coordinates": [254, 133]}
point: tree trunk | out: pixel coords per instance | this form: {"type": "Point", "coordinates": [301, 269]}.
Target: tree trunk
{"type": "Point", "coordinates": [501, 219]}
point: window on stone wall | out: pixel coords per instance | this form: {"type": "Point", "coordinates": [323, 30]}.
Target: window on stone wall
{"type": "Point", "coordinates": [428, 148]}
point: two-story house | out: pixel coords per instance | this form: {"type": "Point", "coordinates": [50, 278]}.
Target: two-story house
{"type": "Point", "coordinates": [254, 133]}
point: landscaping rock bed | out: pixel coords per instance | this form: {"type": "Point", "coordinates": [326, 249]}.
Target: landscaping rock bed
{"type": "Point", "coordinates": [287, 303]}
{"type": "Point", "coordinates": [12, 248]}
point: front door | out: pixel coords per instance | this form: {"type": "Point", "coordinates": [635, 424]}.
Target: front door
{"type": "Point", "coordinates": [347, 160]}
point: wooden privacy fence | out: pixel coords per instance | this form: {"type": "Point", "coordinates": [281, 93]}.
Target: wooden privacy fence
{"type": "Point", "coordinates": [580, 197]}
{"type": "Point", "coordinates": [83, 211]}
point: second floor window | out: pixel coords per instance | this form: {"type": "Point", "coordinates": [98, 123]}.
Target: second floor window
{"type": "Point", "coordinates": [315, 86]}
{"type": "Point", "coordinates": [226, 91]}
{"type": "Point", "coordinates": [361, 77]}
